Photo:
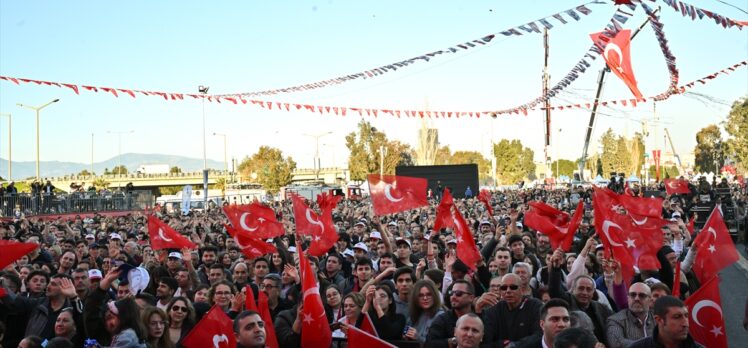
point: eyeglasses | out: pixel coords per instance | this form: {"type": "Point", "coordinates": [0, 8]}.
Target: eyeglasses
{"type": "Point", "coordinates": [425, 295]}
{"type": "Point", "coordinates": [180, 309]}
{"type": "Point", "coordinates": [458, 293]}
{"type": "Point", "coordinates": [223, 293]}
{"type": "Point", "coordinates": [640, 295]}
{"type": "Point", "coordinates": [512, 287]}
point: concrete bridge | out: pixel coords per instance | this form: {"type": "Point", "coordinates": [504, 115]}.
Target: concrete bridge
{"type": "Point", "coordinates": [328, 175]}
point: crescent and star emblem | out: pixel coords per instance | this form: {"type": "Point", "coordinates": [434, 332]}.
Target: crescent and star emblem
{"type": "Point", "coordinates": [243, 223]}
{"type": "Point", "coordinates": [716, 331]}
{"type": "Point", "coordinates": [161, 234]}
{"type": "Point", "coordinates": [217, 339]}
{"type": "Point", "coordinates": [606, 226]}
{"type": "Point", "coordinates": [240, 244]}
{"type": "Point", "coordinates": [640, 222]}
{"type": "Point", "coordinates": [388, 194]}
{"type": "Point", "coordinates": [313, 221]}
{"type": "Point", "coordinates": [614, 47]}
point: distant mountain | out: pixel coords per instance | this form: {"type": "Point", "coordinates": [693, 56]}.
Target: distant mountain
{"type": "Point", "coordinates": [131, 161]}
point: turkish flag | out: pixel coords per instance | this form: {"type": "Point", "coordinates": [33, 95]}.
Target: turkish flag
{"type": "Point", "coordinates": [676, 186]}
{"type": "Point", "coordinates": [554, 223]}
{"type": "Point", "coordinates": [164, 237]}
{"type": "Point", "coordinates": [716, 250]}
{"type": "Point", "coordinates": [467, 251]}
{"type": "Point", "coordinates": [617, 54]}
{"type": "Point", "coordinates": [485, 197]}
{"type": "Point", "coordinates": [607, 225]}
{"type": "Point", "coordinates": [368, 326]}
{"type": "Point", "coordinates": [691, 226]}
{"type": "Point", "coordinates": [315, 331]}
{"type": "Point", "coordinates": [215, 329]}
{"type": "Point", "coordinates": [251, 247]}
{"type": "Point", "coordinates": [707, 324]}
{"type": "Point", "coordinates": [393, 194]}
{"type": "Point", "coordinates": [642, 241]}
{"type": "Point", "coordinates": [319, 227]}
{"type": "Point", "coordinates": [444, 212]}
{"type": "Point", "coordinates": [271, 340]}
{"type": "Point", "coordinates": [358, 338]}
{"type": "Point", "coordinates": [676, 280]}
{"type": "Point", "coordinates": [249, 300]}
{"type": "Point", "coordinates": [255, 218]}
{"type": "Point", "coordinates": [12, 251]}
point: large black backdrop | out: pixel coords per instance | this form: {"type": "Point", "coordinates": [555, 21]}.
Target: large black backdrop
{"type": "Point", "coordinates": [456, 177]}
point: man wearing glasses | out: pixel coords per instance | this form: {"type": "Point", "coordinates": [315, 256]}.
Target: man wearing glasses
{"type": "Point", "coordinates": [461, 300]}
{"type": "Point", "coordinates": [271, 285]}
{"type": "Point", "coordinates": [632, 323]}
{"type": "Point", "coordinates": [514, 317]}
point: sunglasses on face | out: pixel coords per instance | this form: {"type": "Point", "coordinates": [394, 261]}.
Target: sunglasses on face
{"type": "Point", "coordinates": [509, 287]}
{"type": "Point", "coordinates": [458, 293]}
{"type": "Point", "coordinates": [179, 309]}
{"type": "Point", "coordinates": [640, 295]}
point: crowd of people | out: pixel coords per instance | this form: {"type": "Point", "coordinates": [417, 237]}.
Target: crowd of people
{"type": "Point", "coordinates": [394, 269]}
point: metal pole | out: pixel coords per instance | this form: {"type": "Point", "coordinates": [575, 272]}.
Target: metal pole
{"type": "Point", "coordinates": [37, 144]}
{"type": "Point", "coordinates": [204, 90]}
{"type": "Point", "coordinates": [10, 153]}
{"type": "Point", "coordinates": [92, 154]}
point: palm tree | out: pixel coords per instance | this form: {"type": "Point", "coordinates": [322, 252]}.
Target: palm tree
{"type": "Point", "coordinates": [221, 184]}
{"type": "Point", "coordinates": [100, 183]}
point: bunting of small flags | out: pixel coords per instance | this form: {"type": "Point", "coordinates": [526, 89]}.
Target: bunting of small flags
{"type": "Point", "coordinates": [344, 111]}
{"type": "Point", "coordinates": [688, 10]}
{"type": "Point", "coordinates": [620, 17]}
{"type": "Point", "coordinates": [654, 21]}
{"type": "Point", "coordinates": [527, 28]}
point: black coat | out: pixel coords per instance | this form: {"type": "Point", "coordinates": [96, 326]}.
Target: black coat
{"type": "Point", "coordinates": [502, 324]}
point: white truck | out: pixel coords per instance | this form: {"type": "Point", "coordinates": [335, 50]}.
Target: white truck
{"type": "Point", "coordinates": [153, 169]}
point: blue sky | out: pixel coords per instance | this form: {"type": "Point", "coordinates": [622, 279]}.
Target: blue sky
{"type": "Point", "coordinates": [242, 46]}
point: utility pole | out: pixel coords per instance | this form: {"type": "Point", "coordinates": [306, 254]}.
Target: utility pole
{"type": "Point", "coordinates": [10, 152]}
{"type": "Point", "coordinates": [547, 127]}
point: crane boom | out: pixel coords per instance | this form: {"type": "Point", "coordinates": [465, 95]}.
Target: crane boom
{"type": "Point", "coordinates": [675, 154]}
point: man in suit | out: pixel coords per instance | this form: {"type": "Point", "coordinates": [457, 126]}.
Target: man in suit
{"type": "Point", "coordinates": [554, 318]}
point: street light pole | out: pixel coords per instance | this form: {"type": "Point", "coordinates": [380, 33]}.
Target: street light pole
{"type": "Point", "coordinates": [316, 153]}
{"type": "Point", "coordinates": [92, 154]}
{"type": "Point", "coordinates": [204, 91]}
{"type": "Point", "coordinates": [119, 151]}
{"type": "Point", "coordinates": [10, 153]}
{"type": "Point", "coordinates": [225, 157]}
{"type": "Point", "coordinates": [557, 158]}
{"type": "Point", "coordinates": [37, 109]}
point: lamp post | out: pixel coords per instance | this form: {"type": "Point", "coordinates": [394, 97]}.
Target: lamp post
{"type": "Point", "coordinates": [316, 152]}
{"type": "Point", "coordinates": [10, 153]}
{"type": "Point", "coordinates": [204, 91]}
{"type": "Point", "coordinates": [92, 154]}
{"type": "Point", "coordinates": [557, 159]}
{"type": "Point", "coordinates": [37, 109]}
{"type": "Point", "coordinates": [119, 151]}
{"type": "Point", "coordinates": [225, 157]}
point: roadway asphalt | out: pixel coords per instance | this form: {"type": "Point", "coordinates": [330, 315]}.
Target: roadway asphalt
{"type": "Point", "coordinates": [734, 291]}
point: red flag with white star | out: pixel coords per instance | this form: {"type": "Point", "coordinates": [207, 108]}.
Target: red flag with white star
{"type": "Point", "coordinates": [320, 227]}
{"type": "Point", "coordinates": [706, 321]}
{"type": "Point", "coordinates": [675, 186]}
{"type": "Point", "coordinates": [467, 251]}
{"type": "Point", "coordinates": [164, 237]}
{"type": "Point", "coordinates": [257, 219]}
{"type": "Point", "coordinates": [716, 249]}
{"type": "Point", "coordinates": [251, 247]}
{"type": "Point", "coordinates": [617, 53]}
{"type": "Point", "coordinates": [215, 329]}
{"type": "Point", "coordinates": [393, 194]}
{"type": "Point", "coordinates": [315, 331]}
{"type": "Point", "coordinates": [444, 212]}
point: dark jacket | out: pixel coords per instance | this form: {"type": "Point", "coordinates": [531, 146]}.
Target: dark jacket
{"type": "Point", "coordinates": [284, 329]}
{"type": "Point", "coordinates": [502, 324]}
{"type": "Point", "coordinates": [652, 341]}
{"type": "Point", "coordinates": [534, 341]}
{"type": "Point", "coordinates": [38, 310]}
{"type": "Point", "coordinates": [441, 330]}
{"type": "Point", "coordinates": [596, 311]}
{"type": "Point", "coordinates": [389, 326]}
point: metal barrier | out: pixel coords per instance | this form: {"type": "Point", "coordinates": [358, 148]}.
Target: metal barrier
{"type": "Point", "coordinates": [76, 202]}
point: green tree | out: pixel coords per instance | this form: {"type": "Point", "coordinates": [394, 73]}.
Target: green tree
{"type": "Point", "coordinates": [565, 167]}
{"type": "Point", "coordinates": [513, 162]}
{"type": "Point", "coordinates": [100, 183]}
{"type": "Point", "coordinates": [665, 172]}
{"type": "Point", "coordinates": [169, 190]}
{"type": "Point", "coordinates": [737, 127]}
{"type": "Point", "coordinates": [175, 170]}
{"type": "Point", "coordinates": [621, 155]}
{"type": "Point", "coordinates": [473, 157]}
{"type": "Point", "coordinates": [368, 146]}
{"type": "Point", "coordinates": [269, 167]}
{"type": "Point", "coordinates": [85, 172]}
{"type": "Point", "coordinates": [708, 153]}
{"type": "Point", "coordinates": [119, 170]}
{"type": "Point", "coordinates": [443, 155]}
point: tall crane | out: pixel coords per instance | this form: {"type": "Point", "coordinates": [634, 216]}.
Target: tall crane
{"type": "Point", "coordinates": [672, 148]}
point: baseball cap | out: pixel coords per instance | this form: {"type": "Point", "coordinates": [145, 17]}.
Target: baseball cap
{"type": "Point", "coordinates": [375, 235]}
{"type": "Point", "coordinates": [392, 223]}
{"type": "Point", "coordinates": [292, 249]}
{"type": "Point", "coordinates": [94, 274]}
{"type": "Point", "coordinates": [520, 225]}
{"type": "Point", "coordinates": [361, 246]}
{"type": "Point", "coordinates": [676, 214]}
{"type": "Point", "coordinates": [348, 252]}
{"type": "Point", "coordinates": [485, 222]}
{"type": "Point", "coordinates": [175, 254]}
{"type": "Point", "coordinates": [115, 236]}
{"type": "Point", "coordinates": [401, 241]}
{"type": "Point", "coordinates": [360, 223]}
{"type": "Point", "coordinates": [451, 240]}
{"type": "Point", "coordinates": [90, 236]}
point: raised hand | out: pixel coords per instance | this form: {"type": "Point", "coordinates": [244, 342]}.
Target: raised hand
{"type": "Point", "coordinates": [67, 288]}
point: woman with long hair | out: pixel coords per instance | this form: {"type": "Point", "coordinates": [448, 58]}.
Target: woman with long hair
{"type": "Point", "coordinates": [380, 305]}
{"type": "Point", "coordinates": [155, 320]}
{"type": "Point", "coordinates": [222, 294]}
{"type": "Point", "coordinates": [67, 324]}
{"type": "Point", "coordinates": [333, 303]}
{"type": "Point", "coordinates": [181, 318]}
{"type": "Point", "coordinates": [424, 305]}
{"type": "Point", "coordinates": [121, 326]}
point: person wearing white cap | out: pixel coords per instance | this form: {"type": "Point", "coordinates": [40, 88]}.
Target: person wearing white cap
{"type": "Point", "coordinates": [360, 251]}
{"type": "Point", "coordinates": [403, 252]}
